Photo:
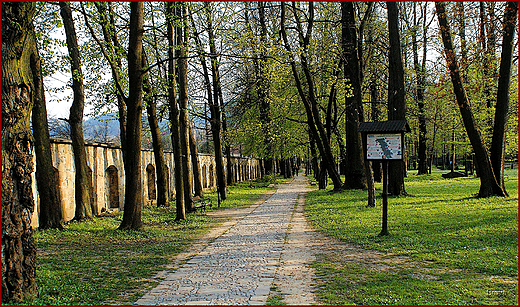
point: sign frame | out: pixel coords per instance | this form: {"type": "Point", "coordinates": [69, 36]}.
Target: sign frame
{"type": "Point", "coordinates": [386, 144]}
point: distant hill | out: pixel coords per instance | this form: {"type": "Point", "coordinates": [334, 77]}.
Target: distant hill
{"type": "Point", "coordinates": [103, 125]}
{"type": "Point", "coordinates": [101, 129]}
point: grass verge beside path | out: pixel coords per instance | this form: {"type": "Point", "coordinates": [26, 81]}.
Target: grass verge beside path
{"type": "Point", "coordinates": [460, 249]}
{"type": "Point", "coordinates": [92, 263]}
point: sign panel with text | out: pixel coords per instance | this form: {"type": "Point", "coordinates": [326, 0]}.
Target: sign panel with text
{"type": "Point", "coordinates": [384, 146]}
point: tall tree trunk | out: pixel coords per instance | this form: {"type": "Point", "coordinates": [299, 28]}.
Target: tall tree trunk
{"type": "Point", "coordinates": [181, 54]}
{"type": "Point", "coordinates": [133, 183]}
{"type": "Point", "coordinates": [197, 182]}
{"type": "Point", "coordinates": [83, 185]}
{"type": "Point", "coordinates": [355, 178]}
{"type": "Point", "coordinates": [375, 116]}
{"type": "Point", "coordinates": [502, 105]}
{"type": "Point", "coordinates": [488, 183]}
{"type": "Point", "coordinates": [50, 207]}
{"type": "Point", "coordinates": [174, 115]}
{"type": "Point", "coordinates": [396, 96]}
{"type": "Point", "coordinates": [18, 90]}
{"type": "Point", "coordinates": [227, 152]}
{"type": "Point", "coordinates": [420, 75]}
{"type": "Point", "coordinates": [158, 147]}
{"type": "Point", "coordinates": [314, 160]}
{"type": "Point", "coordinates": [215, 108]}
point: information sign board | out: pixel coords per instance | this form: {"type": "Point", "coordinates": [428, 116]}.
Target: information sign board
{"type": "Point", "coordinates": [387, 146]}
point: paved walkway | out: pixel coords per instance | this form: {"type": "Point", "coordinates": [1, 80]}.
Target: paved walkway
{"type": "Point", "coordinates": [239, 267]}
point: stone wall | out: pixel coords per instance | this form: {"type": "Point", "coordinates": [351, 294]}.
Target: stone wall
{"type": "Point", "coordinates": [108, 176]}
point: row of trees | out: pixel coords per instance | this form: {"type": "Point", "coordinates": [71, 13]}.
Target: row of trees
{"type": "Point", "coordinates": [278, 80]}
{"type": "Point", "coordinates": [329, 66]}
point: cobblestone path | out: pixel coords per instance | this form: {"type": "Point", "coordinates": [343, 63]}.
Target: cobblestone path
{"type": "Point", "coordinates": [239, 267]}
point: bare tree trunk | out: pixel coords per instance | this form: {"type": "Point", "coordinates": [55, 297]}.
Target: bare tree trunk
{"type": "Point", "coordinates": [396, 95]}
{"type": "Point", "coordinates": [502, 105]}
{"type": "Point", "coordinates": [215, 109]}
{"type": "Point", "coordinates": [314, 160]}
{"type": "Point", "coordinates": [181, 54]}
{"type": "Point", "coordinates": [18, 246]}
{"type": "Point", "coordinates": [488, 183]}
{"type": "Point", "coordinates": [371, 188]}
{"type": "Point", "coordinates": [375, 115]}
{"type": "Point", "coordinates": [158, 147]}
{"type": "Point", "coordinates": [215, 112]}
{"type": "Point", "coordinates": [83, 185]}
{"type": "Point", "coordinates": [133, 184]}
{"type": "Point", "coordinates": [174, 115]}
{"type": "Point", "coordinates": [197, 182]}
{"type": "Point", "coordinates": [420, 75]}
{"type": "Point", "coordinates": [355, 177]}
{"type": "Point", "coordinates": [50, 207]}
{"type": "Point", "coordinates": [227, 152]}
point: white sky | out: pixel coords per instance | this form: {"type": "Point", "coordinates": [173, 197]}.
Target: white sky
{"type": "Point", "coordinates": [58, 104]}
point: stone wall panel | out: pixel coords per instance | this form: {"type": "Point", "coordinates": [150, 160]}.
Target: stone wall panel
{"type": "Point", "coordinates": [104, 160]}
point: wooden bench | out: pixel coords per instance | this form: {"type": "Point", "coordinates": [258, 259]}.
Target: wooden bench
{"type": "Point", "coordinates": [201, 203]}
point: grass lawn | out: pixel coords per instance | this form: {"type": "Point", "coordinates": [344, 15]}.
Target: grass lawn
{"type": "Point", "coordinates": [92, 263]}
{"type": "Point", "coordinates": [468, 246]}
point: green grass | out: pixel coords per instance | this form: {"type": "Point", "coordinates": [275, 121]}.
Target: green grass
{"type": "Point", "coordinates": [470, 244]}
{"type": "Point", "coordinates": [275, 298]}
{"type": "Point", "coordinates": [92, 263]}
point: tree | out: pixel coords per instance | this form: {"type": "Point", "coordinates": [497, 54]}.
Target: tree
{"type": "Point", "coordinates": [215, 107]}
{"type": "Point", "coordinates": [50, 214]}
{"type": "Point", "coordinates": [502, 105]}
{"type": "Point", "coordinates": [174, 114]}
{"type": "Point", "coordinates": [184, 125]}
{"type": "Point", "coordinates": [197, 182]}
{"type": "Point", "coordinates": [420, 85]}
{"type": "Point", "coordinates": [133, 185]}
{"type": "Point", "coordinates": [83, 185]}
{"type": "Point", "coordinates": [18, 90]}
{"type": "Point", "coordinates": [355, 177]}
{"type": "Point", "coordinates": [262, 86]}
{"type": "Point", "coordinates": [158, 148]}
{"type": "Point", "coordinates": [359, 172]}
{"type": "Point", "coordinates": [308, 97]}
{"type": "Point", "coordinates": [112, 52]}
{"type": "Point", "coordinates": [396, 95]}
{"type": "Point", "coordinates": [488, 183]}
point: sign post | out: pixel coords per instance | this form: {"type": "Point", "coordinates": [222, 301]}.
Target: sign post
{"type": "Point", "coordinates": [384, 141]}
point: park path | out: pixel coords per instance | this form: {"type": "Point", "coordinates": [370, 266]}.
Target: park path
{"type": "Point", "coordinates": [268, 246]}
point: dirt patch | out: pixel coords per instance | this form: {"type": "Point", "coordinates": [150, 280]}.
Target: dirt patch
{"type": "Point", "coordinates": [294, 277]}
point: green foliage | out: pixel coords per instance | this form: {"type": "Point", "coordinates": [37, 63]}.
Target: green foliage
{"type": "Point", "coordinates": [276, 297]}
{"type": "Point", "coordinates": [440, 225]}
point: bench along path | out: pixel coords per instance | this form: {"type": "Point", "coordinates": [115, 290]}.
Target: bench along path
{"type": "Point", "coordinates": [239, 267]}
